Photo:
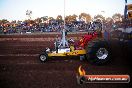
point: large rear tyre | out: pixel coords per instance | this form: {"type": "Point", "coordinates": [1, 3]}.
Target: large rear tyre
{"type": "Point", "coordinates": [43, 57]}
{"type": "Point", "coordinates": [98, 52]}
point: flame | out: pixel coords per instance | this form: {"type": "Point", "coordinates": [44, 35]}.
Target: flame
{"type": "Point", "coordinates": [81, 71]}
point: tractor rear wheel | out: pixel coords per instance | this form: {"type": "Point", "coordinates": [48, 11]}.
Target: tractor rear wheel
{"type": "Point", "coordinates": [98, 52]}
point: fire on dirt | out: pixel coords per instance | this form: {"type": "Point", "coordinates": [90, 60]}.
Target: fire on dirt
{"type": "Point", "coordinates": [81, 71]}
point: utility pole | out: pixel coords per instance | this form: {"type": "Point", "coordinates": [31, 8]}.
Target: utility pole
{"type": "Point", "coordinates": [64, 42]}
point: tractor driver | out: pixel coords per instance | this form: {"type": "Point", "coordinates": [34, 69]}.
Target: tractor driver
{"type": "Point", "coordinates": [71, 44]}
{"type": "Point", "coordinates": [81, 42]}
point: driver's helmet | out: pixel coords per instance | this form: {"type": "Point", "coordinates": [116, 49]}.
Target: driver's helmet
{"type": "Point", "coordinates": [71, 41]}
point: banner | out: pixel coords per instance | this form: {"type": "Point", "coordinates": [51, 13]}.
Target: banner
{"type": "Point", "coordinates": [129, 7]}
{"type": "Point", "coordinates": [130, 15]}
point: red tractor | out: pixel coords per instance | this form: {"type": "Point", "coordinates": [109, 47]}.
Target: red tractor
{"type": "Point", "coordinates": [91, 47]}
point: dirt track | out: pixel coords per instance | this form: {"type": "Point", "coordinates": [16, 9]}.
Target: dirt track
{"type": "Point", "coordinates": [21, 68]}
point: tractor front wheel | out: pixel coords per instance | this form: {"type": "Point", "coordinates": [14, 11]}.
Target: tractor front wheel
{"type": "Point", "coordinates": [43, 57]}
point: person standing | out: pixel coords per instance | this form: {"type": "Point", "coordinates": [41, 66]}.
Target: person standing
{"type": "Point", "coordinates": [57, 40]}
{"type": "Point", "coordinates": [5, 31]}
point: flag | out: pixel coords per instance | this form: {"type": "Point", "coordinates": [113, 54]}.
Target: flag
{"type": "Point", "coordinates": [125, 10]}
{"type": "Point", "coordinates": [125, 1]}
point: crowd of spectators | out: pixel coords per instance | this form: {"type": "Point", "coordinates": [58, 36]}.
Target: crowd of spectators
{"type": "Point", "coordinates": [53, 26]}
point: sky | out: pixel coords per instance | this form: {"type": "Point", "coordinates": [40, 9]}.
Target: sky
{"type": "Point", "coordinates": [16, 9]}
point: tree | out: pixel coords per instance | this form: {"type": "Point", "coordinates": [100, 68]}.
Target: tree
{"type": "Point", "coordinates": [28, 13]}
{"type": "Point", "coordinates": [109, 20]}
{"type": "Point", "coordinates": [59, 19]}
{"type": "Point", "coordinates": [67, 19]}
{"type": "Point", "coordinates": [38, 20]}
{"type": "Point", "coordinates": [85, 17]}
{"type": "Point", "coordinates": [70, 18]}
{"type": "Point", "coordinates": [44, 18]}
{"type": "Point", "coordinates": [117, 17]}
{"type": "Point", "coordinates": [99, 18]}
{"type": "Point", "coordinates": [74, 17]}
{"type": "Point", "coordinates": [4, 21]}
{"type": "Point", "coordinates": [51, 18]}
